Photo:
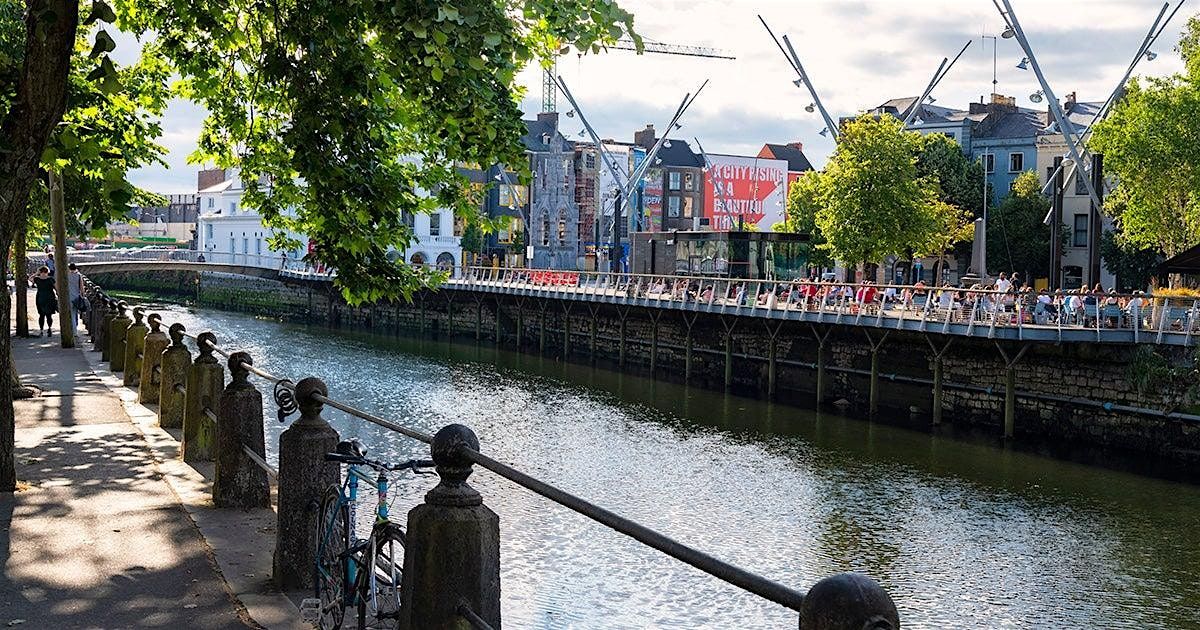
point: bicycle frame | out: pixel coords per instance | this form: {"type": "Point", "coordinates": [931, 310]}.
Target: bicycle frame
{"type": "Point", "coordinates": [348, 498]}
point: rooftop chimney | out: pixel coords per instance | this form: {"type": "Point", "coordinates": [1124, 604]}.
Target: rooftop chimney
{"type": "Point", "coordinates": [209, 177]}
{"type": "Point", "coordinates": [645, 138]}
{"type": "Point", "coordinates": [799, 146]}
{"type": "Point", "coordinates": [549, 117]}
{"type": "Point", "coordinates": [1070, 102]}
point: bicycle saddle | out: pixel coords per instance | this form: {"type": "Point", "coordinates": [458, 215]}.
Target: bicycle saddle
{"type": "Point", "coordinates": [352, 448]}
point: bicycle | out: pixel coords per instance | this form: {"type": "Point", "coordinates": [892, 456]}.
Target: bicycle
{"type": "Point", "coordinates": [372, 566]}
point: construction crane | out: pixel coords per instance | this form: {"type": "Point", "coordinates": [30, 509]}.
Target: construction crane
{"type": "Point", "coordinates": [550, 88]}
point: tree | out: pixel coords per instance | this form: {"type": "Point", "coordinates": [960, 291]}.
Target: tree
{"type": "Point", "coordinates": [948, 226]}
{"type": "Point", "coordinates": [1017, 237]}
{"type": "Point", "coordinates": [874, 203]}
{"type": "Point", "coordinates": [961, 180]}
{"type": "Point", "coordinates": [1133, 267]}
{"type": "Point", "coordinates": [1151, 143]}
{"type": "Point", "coordinates": [322, 104]}
{"type": "Point", "coordinates": [803, 203]}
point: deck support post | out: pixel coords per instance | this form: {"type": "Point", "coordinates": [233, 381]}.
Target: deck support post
{"type": "Point", "coordinates": [1010, 388]}
{"type": "Point", "coordinates": [729, 324]}
{"type": "Point", "coordinates": [873, 404]}
{"type": "Point", "coordinates": [566, 307]}
{"type": "Point", "coordinates": [773, 329]}
{"type": "Point", "coordinates": [939, 356]}
{"type": "Point", "coordinates": [654, 317]}
{"type": "Point", "coordinates": [689, 320]}
{"type": "Point", "coordinates": [821, 343]}
{"type": "Point", "coordinates": [623, 313]}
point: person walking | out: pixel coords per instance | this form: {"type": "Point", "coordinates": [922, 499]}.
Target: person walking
{"type": "Point", "coordinates": [46, 300]}
{"type": "Point", "coordinates": [75, 288]}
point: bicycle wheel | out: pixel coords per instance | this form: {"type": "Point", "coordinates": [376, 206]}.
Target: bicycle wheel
{"type": "Point", "coordinates": [379, 582]}
{"type": "Point", "coordinates": [333, 538]}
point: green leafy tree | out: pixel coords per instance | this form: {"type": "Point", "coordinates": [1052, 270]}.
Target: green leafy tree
{"type": "Point", "coordinates": [804, 200]}
{"type": "Point", "coordinates": [874, 203]}
{"type": "Point", "coordinates": [1017, 237]}
{"type": "Point", "coordinates": [1151, 143]}
{"type": "Point", "coordinates": [961, 180]}
{"type": "Point", "coordinates": [1133, 267]}
{"type": "Point", "coordinates": [948, 225]}
{"type": "Point", "coordinates": [341, 115]}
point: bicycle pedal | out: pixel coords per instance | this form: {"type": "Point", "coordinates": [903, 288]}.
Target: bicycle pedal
{"type": "Point", "coordinates": [310, 610]}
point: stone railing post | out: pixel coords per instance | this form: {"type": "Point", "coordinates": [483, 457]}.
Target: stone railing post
{"type": "Point", "coordinates": [102, 319]}
{"type": "Point", "coordinates": [239, 482]}
{"type": "Point", "coordinates": [848, 600]}
{"type": "Point", "coordinates": [452, 551]}
{"type": "Point", "coordinates": [303, 476]}
{"type": "Point", "coordinates": [202, 402]}
{"type": "Point", "coordinates": [172, 385]}
{"type": "Point", "coordinates": [152, 349]}
{"type": "Point", "coordinates": [135, 339]}
{"type": "Point", "coordinates": [116, 338]}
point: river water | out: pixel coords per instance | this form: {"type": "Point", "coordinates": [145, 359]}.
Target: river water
{"type": "Point", "coordinates": [961, 534]}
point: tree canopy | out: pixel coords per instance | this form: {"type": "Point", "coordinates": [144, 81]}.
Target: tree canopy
{"type": "Point", "coordinates": [1017, 237]}
{"type": "Point", "coordinates": [874, 201]}
{"type": "Point", "coordinates": [1151, 143]}
{"type": "Point", "coordinates": [803, 203]}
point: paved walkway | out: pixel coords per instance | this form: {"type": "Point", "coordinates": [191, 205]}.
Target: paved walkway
{"type": "Point", "coordinates": [98, 538]}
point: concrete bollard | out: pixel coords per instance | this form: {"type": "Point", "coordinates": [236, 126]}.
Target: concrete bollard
{"type": "Point", "coordinates": [304, 476]}
{"type": "Point", "coordinates": [848, 601]}
{"type": "Point", "coordinates": [116, 338]}
{"type": "Point", "coordinates": [156, 341]}
{"type": "Point", "coordinates": [205, 381]}
{"type": "Point", "coordinates": [239, 482]}
{"type": "Point", "coordinates": [452, 551]}
{"type": "Point", "coordinates": [135, 339]}
{"type": "Point", "coordinates": [174, 364]}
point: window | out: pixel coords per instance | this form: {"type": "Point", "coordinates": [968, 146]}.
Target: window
{"type": "Point", "coordinates": [989, 163]}
{"type": "Point", "coordinates": [673, 206]}
{"type": "Point", "coordinates": [673, 181]}
{"type": "Point", "coordinates": [1016, 162]}
{"type": "Point", "coordinates": [589, 160]}
{"type": "Point", "coordinates": [1012, 185]}
{"type": "Point", "coordinates": [546, 231]}
{"type": "Point", "coordinates": [258, 247]}
{"type": "Point", "coordinates": [688, 181]}
{"type": "Point", "coordinates": [512, 196]}
{"type": "Point", "coordinates": [460, 225]}
{"type": "Point", "coordinates": [232, 207]}
{"type": "Point", "coordinates": [208, 231]}
{"type": "Point", "coordinates": [948, 134]}
{"type": "Point", "coordinates": [1080, 237]}
{"type": "Point", "coordinates": [562, 229]}
{"type": "Point", "coordinates": [231, 245]}
{"type": "Point", "coordinates": [212, 201]}
{"type": "Point", "coordinates": [687, 207]}
{"type": "Point", "coordinates": [1080, 185]}
{"type": "Point", "coordinates": [245, 245]}
{"type": "Point", "coordinates": [435, 224]}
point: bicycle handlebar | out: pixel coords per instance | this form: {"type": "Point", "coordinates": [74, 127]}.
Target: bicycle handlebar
{"type": "Point", "coordinates": [412, 464]}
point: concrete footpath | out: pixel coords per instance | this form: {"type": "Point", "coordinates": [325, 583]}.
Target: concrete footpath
{"type": "Point", "coordinates": [110, 528]}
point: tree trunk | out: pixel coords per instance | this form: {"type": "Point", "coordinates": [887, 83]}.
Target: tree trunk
{"type": "Point", "coordinates": [20, 281]}
{"type": "Point", "coordinates": [41, 98]}
{"type": "Point", "coordinates": [58, 219]}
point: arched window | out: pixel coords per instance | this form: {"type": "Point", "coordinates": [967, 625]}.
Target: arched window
{"type": "Point", "coordinates": [418, 258]}
{"type": "Point", "coordinates": [445, 261]}
{"type": "Point", "coordinates": [562, 227]}
{"type": "Point", "coordinates": [546, 230]}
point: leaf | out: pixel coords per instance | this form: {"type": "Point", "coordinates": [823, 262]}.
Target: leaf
{"type": "Point", "coordinates": [491, 40]}
{"type": "Point", "coordinates": [104, 44]}
{"type": "Point", "coordinates": [102, 70]}
{"type": "Point", "coordinates": [100, 12]}
{"type": "Point", "coordinates": [436, 73]}
{"type": "Point", "coordinates": [49, 155]}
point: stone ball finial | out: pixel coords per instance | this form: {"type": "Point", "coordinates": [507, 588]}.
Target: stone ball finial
{"type": "Point", "coordinates": [236, 359]}
{"type": "Point", "coordinates": [848, 601]}
{"type": "Point", "coordinates": [176, 332]}
{"type": "Point", "coordinates": [205, 342]}
{"type": "Point", "coordinates": [155, 320]}
{"type": "Point", "coordinates": [447, 443]}
{"type": "Point", "coordinates": [309, 386]}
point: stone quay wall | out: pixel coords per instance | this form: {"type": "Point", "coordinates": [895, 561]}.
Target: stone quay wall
{"type": "Point", "coordinates": [1068, 397]}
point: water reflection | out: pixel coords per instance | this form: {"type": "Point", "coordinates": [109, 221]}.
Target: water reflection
{"type": "Point", "coordinates": [961, 534]}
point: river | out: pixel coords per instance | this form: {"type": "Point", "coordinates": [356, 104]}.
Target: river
{"type": "Point", "coordinates": [961, 534]}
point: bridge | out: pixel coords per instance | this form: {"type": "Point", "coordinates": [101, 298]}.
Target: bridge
{"type": "Point", "coordinates": [955, 312]}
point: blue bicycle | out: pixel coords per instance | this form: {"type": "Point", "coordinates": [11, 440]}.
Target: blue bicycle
{"type": "Point", "coordinates": [352, 572]}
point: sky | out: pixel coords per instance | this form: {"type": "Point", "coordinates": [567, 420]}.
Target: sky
{"type": "Point", "coordinates": [857, 53]}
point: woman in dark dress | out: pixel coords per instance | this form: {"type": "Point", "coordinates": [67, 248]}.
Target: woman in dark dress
{"type": "Point", "coordinates": [47, 301]}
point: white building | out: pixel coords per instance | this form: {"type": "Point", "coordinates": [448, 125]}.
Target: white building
{"type": "Point", "coordinates": [230, 231]}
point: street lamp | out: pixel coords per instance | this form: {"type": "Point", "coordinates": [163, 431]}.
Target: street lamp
{"type": "Point", "coordinates": [1024, 65]}
{"type": "Point", "coordinates": [1037, 96]}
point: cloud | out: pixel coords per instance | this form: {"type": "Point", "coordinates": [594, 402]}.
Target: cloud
{"type": "Point", "coordinates": [858, 54]}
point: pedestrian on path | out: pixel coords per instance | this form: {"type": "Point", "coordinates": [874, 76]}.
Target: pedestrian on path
{"type": "Point", "coordinates": [46, 300]}
{"type": "Point", "coordinates": [75, 286]}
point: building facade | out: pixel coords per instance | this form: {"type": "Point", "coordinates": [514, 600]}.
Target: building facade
{"type": "Point", "coordinates": [553, 218]}
{"type": "Point", "coordinates": [175, 221]}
